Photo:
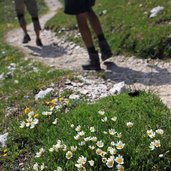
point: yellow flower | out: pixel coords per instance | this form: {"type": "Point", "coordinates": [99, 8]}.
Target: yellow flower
{"type": "Point", "coordinates": [36, 115]}
{"type": "Point", "coordinates": [26, 110]}
{"type": "Point", "coordinates": [5, 150]}
{"type": "Point", "coordinates": [61, 99]}
{"type": "Point", "coordinates": [47, 103]}
{"type": "Point", "coordinates": [5, 154]}
{"type": "Point", "coordinates": [54, 100]}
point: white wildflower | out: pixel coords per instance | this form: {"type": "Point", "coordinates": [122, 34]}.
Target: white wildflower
{"type": "Point", "coordinates": [42, 167]}
{"type": "Point", "coordinates": [100, 112]}
{"type": "Point", "coordinates": [73, 149]}
{"type": "Point", "coordinates": [119, 167]}
{"type": "Point", "coordinates": [22, 124]}
{"type": "Point", "coordinates": [78, 128]}
{"type": "Point", "coordinates": [114, 119]}
{"type": "Point", "coordinates": [92, 129]}
{"type": "Point", "coordinates": [82, 160]}
{"type": "Point", "coordinates": [46, 113]}
{"type": "Point", "coordinates": [31, 114]}
{"type": "Point", "coordinates": [59, 169]}
{"type": "Point", "coordinates": [87, 139]}
{"type": "Point", "coordinates": [72, 125]}
{"type": "Point", "coordinates": [119, 159]}
{"type": "Point", "coordinates": [77, 137]}
{"type": "Point", "coordinates": [157, 143]}
{"type": "Point", "coordinates": [91, 147]}
{"type": "Point", "coordinates": [160, 131]}
{"type": "Point", "coordinates": [112, 131]}
{"type": "Point", "coordinates": [100, 144]}
{"type": "Point", "coordinates": [36, 167]}
{"type": "Point", "coordinates": [112, 151]}
{"type": "Point", "coordinates": [112, 143]}
{"type": "Point", "coordinates": [82, 143]}
{"type": "Point", "coordinates": [99, 152]}
{"type": "Point", "coordinates": [55, 121]}
{"type": "Point", "coordinates": [151, 133]}
{"type": "Point", "coordinates": [69, 155]}
{"type": "Point", "coordinates": [110, 162]}
{"type": "Point", "coordinates": [94, 139]}
{"type": "Point", "coordinates": [104, 159]}
{"type": "Point", "coordinates": [129, 124]}
{"type": "Point", "coordinates": [161, 155]}
{"type": "Point", "coordinates": [104, 119]}
{"type": "Point", "coordinates": [120, 145]}
{"type": "Point", "coordinates": [82, 133]}
{"type": "Point", "coordinates": [40, 153]}
{"type": "Point", "coordinates": [91, 162]}
{"type": "Point", "coordinates": [119, 135]}
{"type": "Point", "coordinates": [51, 150]}
{"type": "Point", "coordinates": [34, 123]}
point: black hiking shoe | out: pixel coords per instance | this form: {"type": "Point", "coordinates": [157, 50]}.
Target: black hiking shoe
{"type": "Point", "coordinates": [106, 52]}
{"type": "Point", "coordinates": [26, 38]}
{"type": "Point", "coordinates": [39, 42]}
{"type": "Point", "coordinates": [93, 63]}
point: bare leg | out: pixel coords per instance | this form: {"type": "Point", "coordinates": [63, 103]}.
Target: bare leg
{"type": "Point", "coordinates": [94, 63]}
{"type": "Point", "coordinates": [84, 29]}
{"type": "Point", "coordinates": [95, 23]}
{"type": "Point", "coordinates": [103, 44]}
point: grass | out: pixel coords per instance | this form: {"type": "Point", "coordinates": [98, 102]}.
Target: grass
{"type": "Point", "coordinates": [17, 91]}
{"type": "Point", "coordinates": [128, 27]}
{"type": "Point", "coordinates": [29, 81]}
{"type": "Point", "coordinates": [145, 111]}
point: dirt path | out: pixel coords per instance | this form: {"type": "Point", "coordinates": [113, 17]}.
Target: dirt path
{"type": "Point", "coordinates": [150, 75]}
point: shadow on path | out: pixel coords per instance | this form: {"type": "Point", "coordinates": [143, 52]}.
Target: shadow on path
{"type": "Point", "coordinates": [156, 77]}
{"type": "Point", "coordinates": [48, 51]}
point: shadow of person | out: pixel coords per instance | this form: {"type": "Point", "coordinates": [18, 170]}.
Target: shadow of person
{"type": "Point", "coordinates": [157, 77]}
{"type": "Point", "coordinates": [47, 51]}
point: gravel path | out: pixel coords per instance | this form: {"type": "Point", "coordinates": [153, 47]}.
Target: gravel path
{"type": "Point", "coordinates": [150, 75]}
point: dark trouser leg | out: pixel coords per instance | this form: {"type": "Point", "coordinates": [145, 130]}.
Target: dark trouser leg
{"type": "Point", "coordinates": [22, 22]}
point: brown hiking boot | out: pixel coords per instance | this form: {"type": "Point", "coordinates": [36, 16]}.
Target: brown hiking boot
{"type": "Point", "coordinates": [93, 63]}
{"type": "Point", "coordinates": [106, 52]}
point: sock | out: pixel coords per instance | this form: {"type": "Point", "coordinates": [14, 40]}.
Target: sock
{"type": "Point", "coordinates": [101, 37]}
{"type": "Point", "coordinates": [91, 50]}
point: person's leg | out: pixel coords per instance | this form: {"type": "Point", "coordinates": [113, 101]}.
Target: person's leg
{"type": "Point", "coordinates": [95, 24]}
{"type": "Point", "coordinates": [82, 20]}
{"type": "Point", "coordinates": [33, 11]}
{"type": "Point", "coordinates": [19, 7]}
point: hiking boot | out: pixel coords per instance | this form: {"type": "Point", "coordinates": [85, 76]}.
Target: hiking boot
{"type": "Point", "coordinates": [93, 63]}
{"type": "Point", "coordinates": [106, 52]}
{"type": "Point", "coordinates": [39, 42]}
{"type": "Point", "coordinates": [26, 38]}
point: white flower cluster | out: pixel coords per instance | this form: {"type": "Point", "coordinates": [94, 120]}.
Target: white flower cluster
{"type": "Point", "coordinates": [31, 121]}
{"type": "Point", "coordinates": [152, 134]}
{"type": "Point", "coordinates": [109, 152]}
{"type": "Point", "coordinates": [38, 167]}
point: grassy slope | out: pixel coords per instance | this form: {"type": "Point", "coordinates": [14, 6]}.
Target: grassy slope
{"type": "Point", "coordinates": [11, 94]}
{"type": "Point", "coordinates": [128, 27]}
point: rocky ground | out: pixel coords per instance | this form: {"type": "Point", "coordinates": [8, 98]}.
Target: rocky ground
{"type": "Point", "coordinates": [151, 75]}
